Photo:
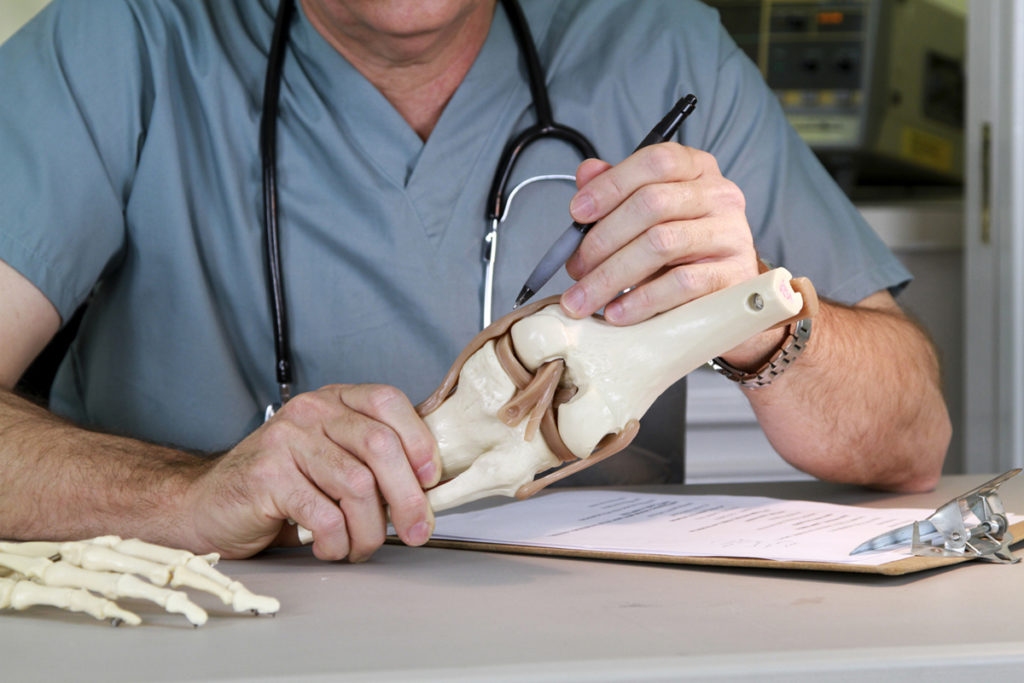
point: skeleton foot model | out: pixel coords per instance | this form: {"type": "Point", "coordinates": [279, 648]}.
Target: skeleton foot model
{"type": "Point", "coordinates": [69, 575]}
{"type": "Point", "coordinates": [537, 389]}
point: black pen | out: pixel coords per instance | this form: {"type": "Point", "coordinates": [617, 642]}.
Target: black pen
{"type": "Point", "coordinates": [565, 245]}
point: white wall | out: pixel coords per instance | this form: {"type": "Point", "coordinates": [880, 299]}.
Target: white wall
{"type": "Point", "coordinates": [994, 248]}
{"type": "Point", "coordinates": [14, 13]}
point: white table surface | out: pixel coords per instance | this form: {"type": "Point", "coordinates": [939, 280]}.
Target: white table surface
{"type": "Point", "coordinates": [453, 615]}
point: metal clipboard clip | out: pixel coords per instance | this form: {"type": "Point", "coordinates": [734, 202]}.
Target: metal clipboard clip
{"type": "Point", "coordinates": [972, 525]}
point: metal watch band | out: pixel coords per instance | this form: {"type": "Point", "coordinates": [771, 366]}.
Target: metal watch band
{"type": "Point", "coordinates": [792, 346]}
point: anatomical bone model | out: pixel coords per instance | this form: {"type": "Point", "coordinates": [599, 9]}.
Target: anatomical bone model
{"type": "Point", "coordinates": [69, 576]}
{"type": "Point", "coordinates": [537, 389]}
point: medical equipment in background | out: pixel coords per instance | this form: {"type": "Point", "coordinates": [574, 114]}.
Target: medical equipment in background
{"type": "Point", "coordinates": [875, 87]}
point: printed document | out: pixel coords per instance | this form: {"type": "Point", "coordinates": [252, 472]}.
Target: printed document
{"type": "Point", "coordinates": [684, 526]}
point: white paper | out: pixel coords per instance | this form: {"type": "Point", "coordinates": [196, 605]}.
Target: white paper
{"type": "Point", "coordinates": [685, 526]}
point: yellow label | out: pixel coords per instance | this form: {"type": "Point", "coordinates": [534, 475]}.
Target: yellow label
{"type": "Point", "coordinates": [927, 149]}
{"type": "Point", "coordinates": [792, 98]}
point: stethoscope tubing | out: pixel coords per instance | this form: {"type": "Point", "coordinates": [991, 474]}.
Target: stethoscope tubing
{"type": "Point", "coordinates": [497, 198]}
{"type": "Point", "coordinates": [268, 158]}
{"type": "Point", "coordinates": [491, 242]}
{"type": "Point", "coordinates": [546, 125]}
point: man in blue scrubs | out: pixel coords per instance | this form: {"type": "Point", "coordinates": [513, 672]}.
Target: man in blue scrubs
{"type": "Point", "coordinates": [130, 176]}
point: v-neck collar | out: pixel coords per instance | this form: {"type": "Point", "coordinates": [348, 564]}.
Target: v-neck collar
{"type": "Point", "coordinates": [374, 126]}
{"type": "Point", "coordinates": [467, 122]}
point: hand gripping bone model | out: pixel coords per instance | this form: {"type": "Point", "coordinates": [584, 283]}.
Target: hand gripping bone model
{"type": "Point", "coordinates": [538, 389]}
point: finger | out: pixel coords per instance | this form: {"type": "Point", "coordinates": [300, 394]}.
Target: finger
{"type": "Point", "coordinates": [649, 206]}
{"type": "Point", "coordinates": [588, 169]}
{"type": "Point", "coordinates": [664, 244]}
{"type": "Point", "coordinates": [325, 471]}
{"type": "Point", "coordinates": [295, 497]}
{"type": "Point", "coordinates": [359, 500]}
{"type": "Point", "coordinates": [373, 465]}
{"type": "Point", "coordinates": [338, 499]}
{"type": "Point", "coordinates": [390, 406]}
{"type": "Point", "coordinates": [242, 501]}
{"type": "Point", "coordinates": [386, 469]}
{"type": "Point", "coordinates": [664, 162]}
{"type": "Point", "coordinates": [673, 287]}
{"type": "Point", "coordinates": [356, 459]}
{"type": "Point", "coordinates": [324, 519]}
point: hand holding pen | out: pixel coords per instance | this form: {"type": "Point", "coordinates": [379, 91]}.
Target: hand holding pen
{"type": "Point", "coordinates": [666, 225]}
{"type": "Point", "coordinates": [567, 243]}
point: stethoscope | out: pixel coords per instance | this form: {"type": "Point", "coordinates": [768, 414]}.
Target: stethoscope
{"type": "Point", "coordinates": [498, 200]}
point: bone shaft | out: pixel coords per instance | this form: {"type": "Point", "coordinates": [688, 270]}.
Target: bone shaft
{"type": "Point", "coordinates": [717, 322]}
{"type": "Point", "coordinates": [154, 553]}
{"type": "Point", "coordinates": [100, 558]}
{"type": "Point", "coordinates": [26, 594]}
{"type": "Point", "coordinates": [31, 548]}
{"type": "Point", "coordinates": [25, 564]}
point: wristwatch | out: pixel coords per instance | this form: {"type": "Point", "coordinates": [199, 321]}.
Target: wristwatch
{"type": "Point", "coordinates": [792, 346]}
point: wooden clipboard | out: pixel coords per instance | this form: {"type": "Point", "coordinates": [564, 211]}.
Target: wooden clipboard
{"type": "Point", "coordinates": [908, 565]}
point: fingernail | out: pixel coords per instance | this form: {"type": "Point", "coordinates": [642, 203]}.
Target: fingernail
{"type": "Point", "coordinates": [419, 533]}
{"type": "Point", "coordinates": [574, 265]}
{"type": "Point", "coordinates": [582, 208]}
{"type": "Point", "coordinates": [426, 473]}
{"type": "Point", "coordinates": [613, 312]}
{"type": "Point", "coordinates": [573, 299]}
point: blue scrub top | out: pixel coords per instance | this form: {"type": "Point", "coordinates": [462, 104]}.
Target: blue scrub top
{"type": "Point", "coordinates": [131, 171]}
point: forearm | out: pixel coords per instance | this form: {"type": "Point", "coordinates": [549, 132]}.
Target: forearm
{"type": "Point", "coordinates": [58, 481]}
{"type": "Point", "coordinates": [863, 404]}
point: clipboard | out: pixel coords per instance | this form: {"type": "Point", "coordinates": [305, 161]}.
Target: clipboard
{"type": "Point", "coordinates": [687, 530]}
{"type": "Point", "coordinates": [909, 565]}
